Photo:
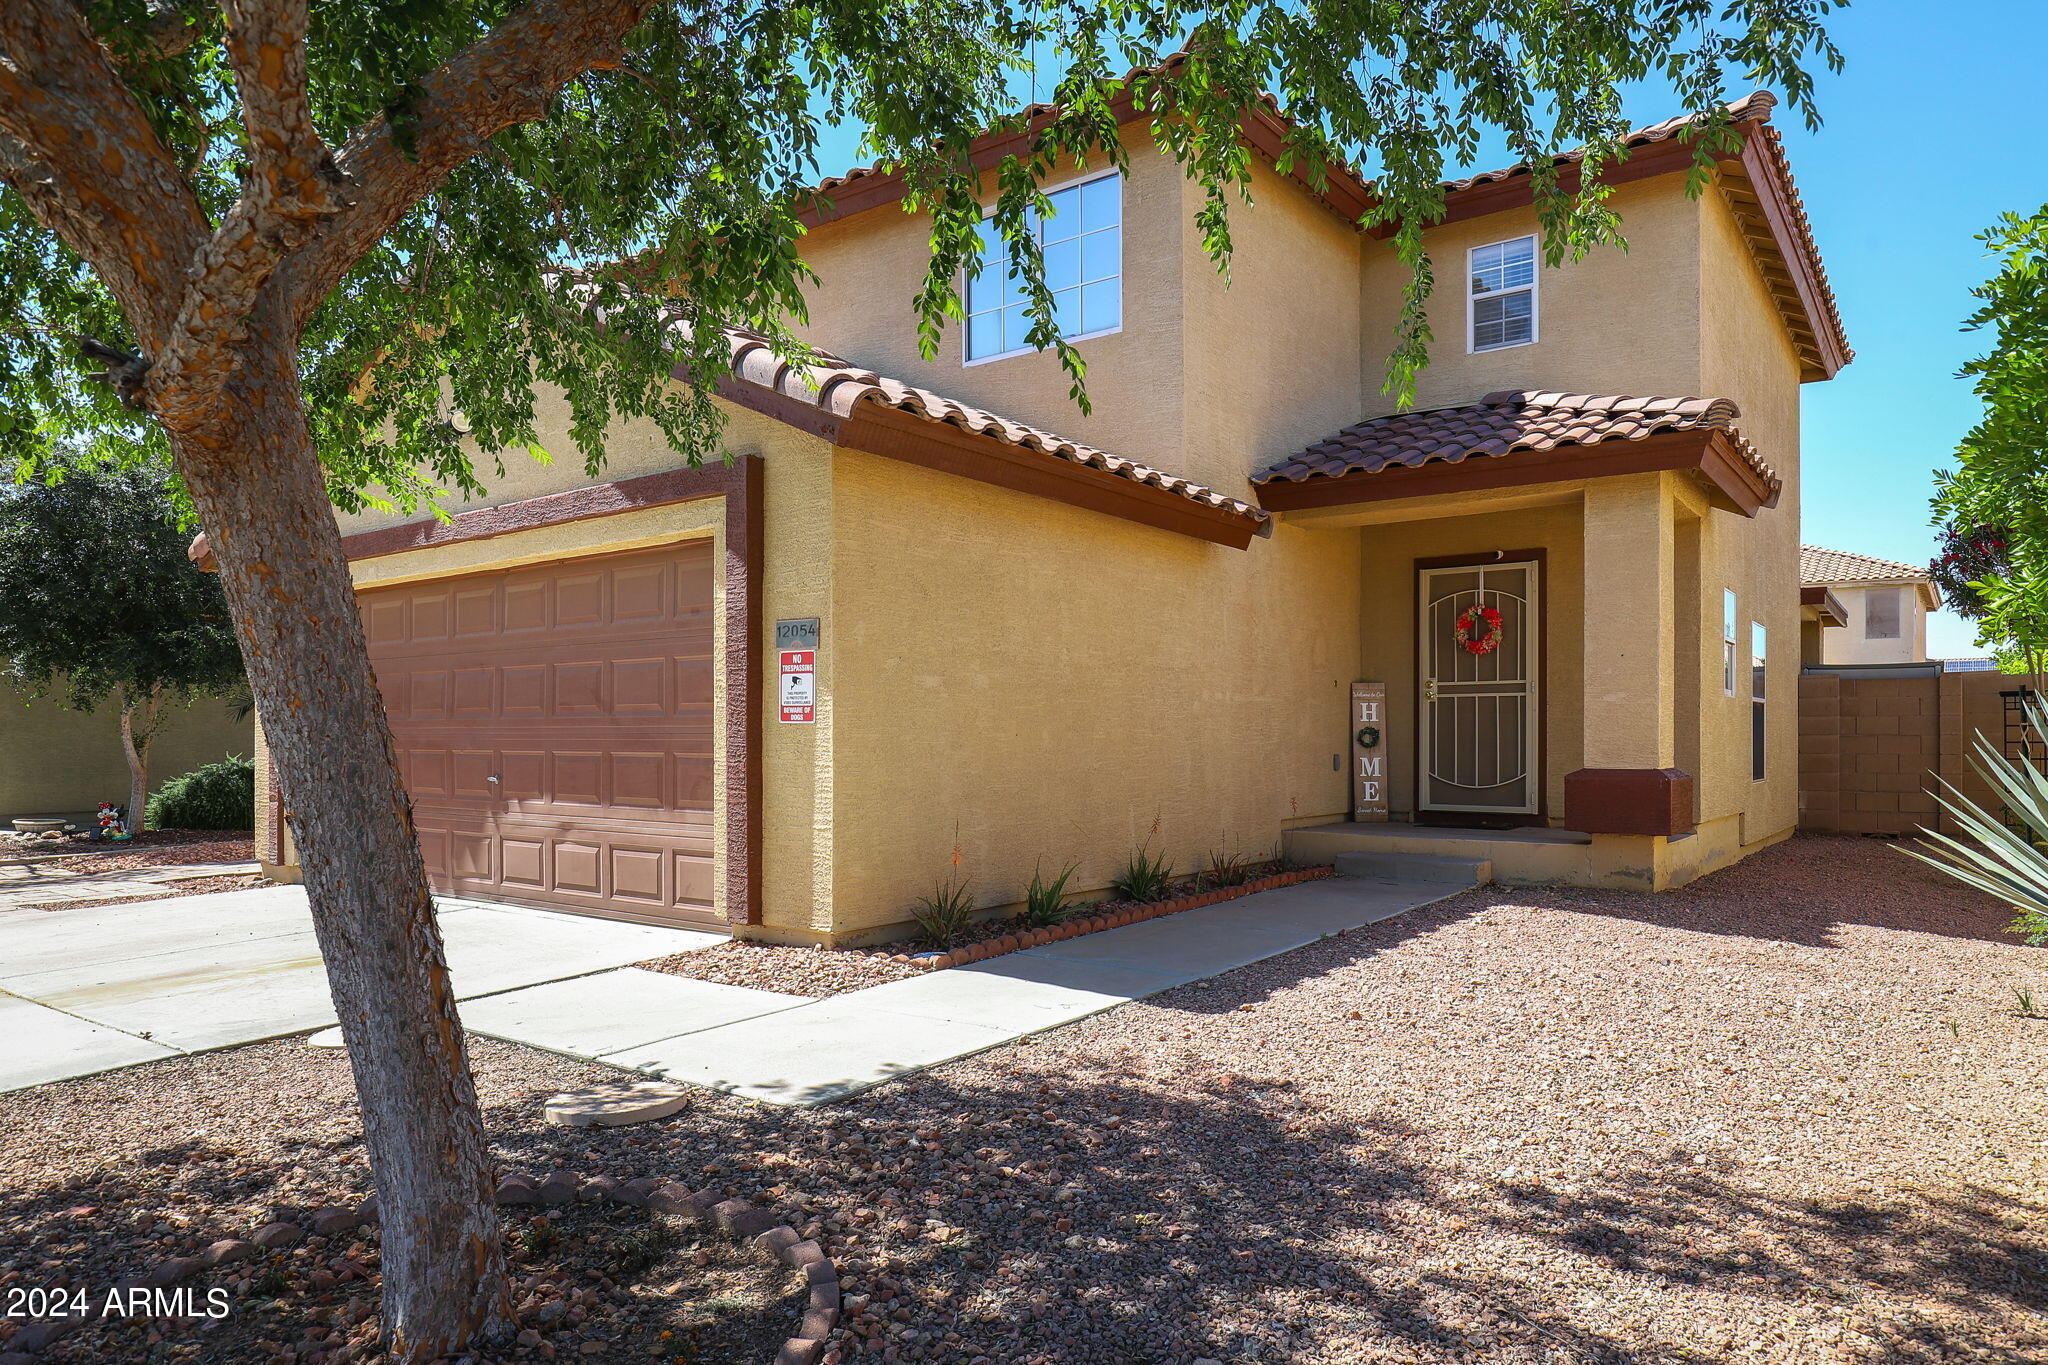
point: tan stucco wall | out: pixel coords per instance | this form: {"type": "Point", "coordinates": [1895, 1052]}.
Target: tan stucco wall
{"type": "Point", "coordinates": [1746, 354]}
{"type": "Point", "coordinates": [871, 266]}
{"type": "Point", "coordinates": [1614, 322]}
{"type": "Point", "coordinates": [55, 761]}
{"type": "Point", "coordinates": [1038, 684]}
{"type": "Point", "coordinates": [1845, 644]}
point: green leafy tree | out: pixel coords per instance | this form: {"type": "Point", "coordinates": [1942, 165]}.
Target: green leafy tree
{"type": "Point", "coordinates": [100, 606]}
{"type": "Point", "coordinates": [1996, 499]}
{"type": "Point", "coordinates": [295, 242]}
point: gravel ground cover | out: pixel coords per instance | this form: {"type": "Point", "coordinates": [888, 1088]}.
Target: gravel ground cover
{"type": "Point", "coordinates": [616, 1280]}
{"type": "Point", "coordinates": [1790, 1114]}
{"type": "Point", "coordinates": [196, 886]}
{"type": "Point", "coordinates": [151, 848]}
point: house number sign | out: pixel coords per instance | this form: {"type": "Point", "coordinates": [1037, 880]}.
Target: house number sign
{"type": "Point", "coordinates": [1368, 751]}
{"type": "Point", "coordinates": [796, 683]}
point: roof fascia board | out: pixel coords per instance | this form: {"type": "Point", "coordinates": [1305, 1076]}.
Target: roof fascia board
{"type": "Point", "coordinates": [1768, 184]}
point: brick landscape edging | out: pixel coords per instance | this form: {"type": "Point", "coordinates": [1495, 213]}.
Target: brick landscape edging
{"type": "Point", "coordinates": [762, 1228]}
{"type": "Point", "coordinates": [1110, 919]}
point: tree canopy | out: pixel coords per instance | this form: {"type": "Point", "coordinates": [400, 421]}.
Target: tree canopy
{"type": "Point", "coordinates": [1994, 504]}
{"type": "Point", "coordinates": [97, 597]}
{"type": "Point", "coordinates": [461, 268]}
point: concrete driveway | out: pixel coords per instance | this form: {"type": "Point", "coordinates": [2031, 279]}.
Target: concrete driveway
{"type": "Point", "coordinates": [84, 991]}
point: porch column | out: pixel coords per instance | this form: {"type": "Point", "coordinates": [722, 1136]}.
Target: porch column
{"type": "Point", "coordinates": [1630, 784]}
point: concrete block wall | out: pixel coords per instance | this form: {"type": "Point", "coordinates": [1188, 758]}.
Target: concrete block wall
{"type": "Point", "coordinates": [1873, 750]}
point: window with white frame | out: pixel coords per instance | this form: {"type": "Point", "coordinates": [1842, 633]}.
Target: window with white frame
{"type": "Point", "coordinates": [1756, 701]}
{"type": "Point", "coordinates": [1502, 302]}
{"type": "Point", "coordinates": [1882, 610]}
{"type": "Point", "coordinates": [1729, 669]}
{"type": "Point", "coordinates": [1082, 238]}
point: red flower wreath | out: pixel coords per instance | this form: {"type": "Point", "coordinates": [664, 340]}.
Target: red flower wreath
{"type": "Point", "coordinates": [1471, 638]}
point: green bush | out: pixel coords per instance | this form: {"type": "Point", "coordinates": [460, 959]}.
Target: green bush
{"type": "Point", "coordinates": [218, 796]}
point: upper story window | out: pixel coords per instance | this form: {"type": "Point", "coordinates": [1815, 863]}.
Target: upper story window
{"type": "Point", "coordinates": [1083, 241]}
{"type": "Point", "coordinates": [1502, 305]}
{"type": "Point", "coordinates": [1882, 613]}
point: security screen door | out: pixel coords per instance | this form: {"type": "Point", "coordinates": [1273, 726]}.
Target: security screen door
{"type": "Point", "coordinates": [1479, 694]}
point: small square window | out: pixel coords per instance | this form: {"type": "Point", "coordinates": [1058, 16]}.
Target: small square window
{"type": "Point", "coordinates": [1501, 304]}
{"type": "Point", "coordinates": [1882, 613]}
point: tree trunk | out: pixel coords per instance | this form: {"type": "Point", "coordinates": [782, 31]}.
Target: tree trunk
{"type": "Point", "coordinates": [136, 751]}
{"type": "Point", "coordinates": [258, 487]}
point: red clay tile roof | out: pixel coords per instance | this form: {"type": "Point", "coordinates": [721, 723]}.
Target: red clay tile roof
{"type": "Point", "coordinates": [1502, 423]}
{"type": "Point", "coordinates": [835, 387]}
{"type": "Point", "coordinates": [1754, 107]}
{"type": "Point", "coordinates": [1819, 565]}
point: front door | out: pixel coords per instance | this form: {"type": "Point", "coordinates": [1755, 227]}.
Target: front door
{"type": "Point", "coordinates": [1479, 660]}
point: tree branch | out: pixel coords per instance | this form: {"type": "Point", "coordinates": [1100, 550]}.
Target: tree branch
{"type": "Point", "coordinates": [507, 77]}
{"type": "Point", "coordinates": [293, 185]}
{"type": "Point", "coordinates": [88, 164]}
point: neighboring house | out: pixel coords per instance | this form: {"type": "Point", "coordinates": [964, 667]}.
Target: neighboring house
{"type": "Point", "coordinates": [56, 761]}
{"type": "Point", "coordinates": [909, 636]}
{"type": "Point", "coordinates": [1883, 607]}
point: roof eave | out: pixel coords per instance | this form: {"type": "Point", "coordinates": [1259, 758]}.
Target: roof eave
{"type": "Point", "coordinates": [1731, 482]}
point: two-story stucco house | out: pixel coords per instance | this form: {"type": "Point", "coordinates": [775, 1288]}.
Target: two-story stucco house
{"type": "Point", "coordinates": [911, 634]}
{"type": "Point", "coordinates": [1883, 606]}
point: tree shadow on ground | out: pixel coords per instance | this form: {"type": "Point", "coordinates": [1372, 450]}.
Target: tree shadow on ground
{"type": "Point", "coordinates": [1089, 1218]}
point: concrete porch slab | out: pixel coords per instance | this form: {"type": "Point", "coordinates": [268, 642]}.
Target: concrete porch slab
{"type": "Point", "coordinates": [588, 1016]}
{"type": "Point", "coordinates": [45, 1045]}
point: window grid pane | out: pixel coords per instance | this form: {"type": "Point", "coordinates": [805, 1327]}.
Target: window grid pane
{"type": "Point", "coordinates": [1082, 240]}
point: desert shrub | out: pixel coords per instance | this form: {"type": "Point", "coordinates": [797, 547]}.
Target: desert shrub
{"type": "Point", "coordinates": [217, 796]}
{"type": "Point", "coordinates": [1229, 869]}
{"type": "Point", "coordinates": [1045, 902]}
{"type": "Point", "coordinates": [1146, 877]}
{"type": "Point", "coordinates": [946, 914]}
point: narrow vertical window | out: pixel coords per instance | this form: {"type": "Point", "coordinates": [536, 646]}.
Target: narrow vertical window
{"type": "Point", "coordinates": [1730, 669]}
{"type": "Point", "coordinates": [1756, 701]}
{"type": "Point", "coordinates": [1082, 239]}
{"type": "Point", "coordinates": [1502, 295]}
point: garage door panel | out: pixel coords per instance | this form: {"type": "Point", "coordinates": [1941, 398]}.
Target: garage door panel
{"type": "Point", "coordinates": [576, 865]}
{"type": "Point", "coordinates": [587, 689]}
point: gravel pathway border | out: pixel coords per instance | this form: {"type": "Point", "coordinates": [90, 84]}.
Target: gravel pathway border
{"type": "Point", "coordinates": [763, 1228]}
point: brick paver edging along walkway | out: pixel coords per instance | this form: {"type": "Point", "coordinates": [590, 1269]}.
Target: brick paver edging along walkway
{"type": "Point", "coordinates": [762, 1228]}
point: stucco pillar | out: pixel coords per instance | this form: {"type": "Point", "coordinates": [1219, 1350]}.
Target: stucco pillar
{"type": "Point", "coordinates": [1630, 783]}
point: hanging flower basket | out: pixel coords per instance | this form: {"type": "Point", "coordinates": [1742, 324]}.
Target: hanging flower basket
{"type": "Point", "coordinates": [1478, 630]}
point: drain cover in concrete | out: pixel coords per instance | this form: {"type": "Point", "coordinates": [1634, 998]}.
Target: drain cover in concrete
{"type": "Point", "coordinates": [612, 1106]}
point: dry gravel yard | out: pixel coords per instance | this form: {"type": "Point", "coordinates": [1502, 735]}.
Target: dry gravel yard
{"type": "Point", "coordinates": [1788, 1115]}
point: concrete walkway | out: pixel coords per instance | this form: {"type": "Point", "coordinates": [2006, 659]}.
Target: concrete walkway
{"type": "Point", "coordinates": [94, 989]}
{"type": "Point", "coordinates": [827, 1050]}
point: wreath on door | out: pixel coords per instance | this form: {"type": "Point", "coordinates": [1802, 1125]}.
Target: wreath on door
{"type": "Point", "coordinates": [1478, 630]}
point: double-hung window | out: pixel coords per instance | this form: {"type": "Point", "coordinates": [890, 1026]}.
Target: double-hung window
{"type": "Point", "coordinates": [1730, 672]}
{"type": "Point", "coordinates": [1082, 238]}
{"type": "Point", "coordinates": [1502, 295]}
{"type": "Point", "coordinates": [1756, 701]}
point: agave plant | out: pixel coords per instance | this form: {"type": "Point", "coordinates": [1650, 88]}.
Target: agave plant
{"type": "Point", "coordinates": [1990, 856]}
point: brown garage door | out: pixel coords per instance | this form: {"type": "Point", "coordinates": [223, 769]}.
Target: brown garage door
{"type": "Point", "coordinates": [554, 725]}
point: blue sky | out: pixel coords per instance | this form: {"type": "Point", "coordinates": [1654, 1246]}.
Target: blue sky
{"type": "Point", "coordinates": [1929, 136]}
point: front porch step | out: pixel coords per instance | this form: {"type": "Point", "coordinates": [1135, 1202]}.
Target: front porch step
{"type": "Point", "coordinates": [1416, 867]}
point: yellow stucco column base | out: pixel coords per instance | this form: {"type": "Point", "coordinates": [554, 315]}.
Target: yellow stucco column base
{"type": "Point", "coordinates": [1651, 862]}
